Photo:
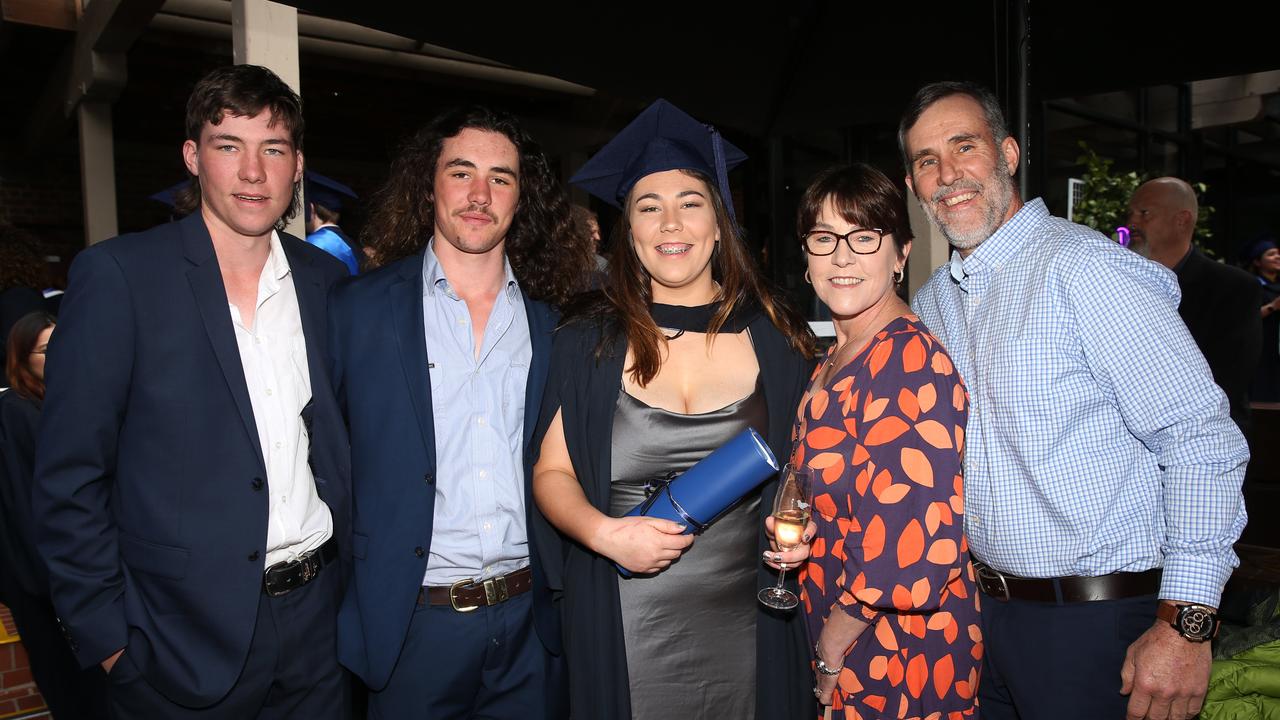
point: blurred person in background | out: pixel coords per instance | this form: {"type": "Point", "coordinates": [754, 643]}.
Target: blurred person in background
{"type": "Point", "coordinates": [69, 692]}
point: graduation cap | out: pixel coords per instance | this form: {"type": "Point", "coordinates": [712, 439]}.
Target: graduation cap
{"type": "Point", "coordinates": [1255, 249]}
{"type": "Point", "coordinates": [661, 138]}
{"type": "Point", "coordinates": [326, 191]}
{"type": "Point", "coordinates": [169, 195]}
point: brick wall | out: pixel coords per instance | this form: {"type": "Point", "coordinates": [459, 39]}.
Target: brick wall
{"type": "Point", "coordinates": [18, 693]}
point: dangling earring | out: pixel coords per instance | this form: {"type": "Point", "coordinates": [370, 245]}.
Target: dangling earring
{"type": "Point", "coordinates": [899, 275]}
{"type": "Point", "coordinates": [806, 277]}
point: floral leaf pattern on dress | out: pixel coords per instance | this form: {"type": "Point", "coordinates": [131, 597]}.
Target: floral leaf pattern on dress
{"type": "Point", "coordinates": [886, 437]}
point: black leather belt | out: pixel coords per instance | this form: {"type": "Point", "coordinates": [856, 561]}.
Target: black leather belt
{"type": "Point", "coordinates": [1115, 586]}
{"type": "Point", "coordinates": [467, 595]}
{"type": "Point", "coordinates": [285, 577]}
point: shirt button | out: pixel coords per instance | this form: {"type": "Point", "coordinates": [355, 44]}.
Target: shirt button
{"type": "Point", "coordinates": [279, 445]}
{"type": "Point", "coordinates": [268, 392]}
{"type": "Point", "coordinates": [419, 551]}
{"type": "Point", "coordinates": [257, 341]}
{"type": "Point", "coordinates": [488, 527]}
{"type": "Point", "coordinates": [480, 421]}
{"type": "Point", "coordinates": [483, 473]}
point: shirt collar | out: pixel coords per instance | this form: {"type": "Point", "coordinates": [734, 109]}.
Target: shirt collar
{"type": "Point", "coordinates": [433, 277]}
{"type": "Point", "coordinates": [277, 267]}
{"type": "Point", "coordinates": [1006, 242]}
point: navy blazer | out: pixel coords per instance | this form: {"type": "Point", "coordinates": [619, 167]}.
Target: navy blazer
{"type": "Point", "coordinates": [150, 502]}
{"type": "Point", "coordinates": [378, 352]}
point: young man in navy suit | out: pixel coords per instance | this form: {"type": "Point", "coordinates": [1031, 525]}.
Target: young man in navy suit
{"type": "Point", "coordinates": [439, 360]}
{"type": "Point", "coordinates": [192, 478]}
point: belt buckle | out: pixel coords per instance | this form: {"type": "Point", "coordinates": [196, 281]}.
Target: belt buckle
{"type": "Point", "coordinates": [276, 580]}
{"type": "Point", "coordinates": [453, 596]}
{"type": "Point", "coordinates": [495, 590]}
{"type": "Point", "coordinates": [986, 576]}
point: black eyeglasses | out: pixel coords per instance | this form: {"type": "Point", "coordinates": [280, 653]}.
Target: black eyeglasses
{"type": "Point", "coordinates": [862, 241]}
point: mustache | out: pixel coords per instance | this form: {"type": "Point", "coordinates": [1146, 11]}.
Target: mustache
{"type": "Point", "coordinates": [477, 209]}
{"type": "Point", "coordinates": [961, 184]}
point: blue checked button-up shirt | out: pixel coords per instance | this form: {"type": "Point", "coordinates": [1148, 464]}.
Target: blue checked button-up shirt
{"type": "Point", "coordinates": [478, 404]}
{"type": "Point", "coordinates": [1097, 441]}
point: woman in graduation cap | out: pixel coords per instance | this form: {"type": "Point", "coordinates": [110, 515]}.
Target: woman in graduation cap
{"type": "Point", "coordinates": [685, 346]}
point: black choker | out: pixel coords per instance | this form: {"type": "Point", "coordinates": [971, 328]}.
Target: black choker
{"type": "Point", "coordinates": [683, 318]}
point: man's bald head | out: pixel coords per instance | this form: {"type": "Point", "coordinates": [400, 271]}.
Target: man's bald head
{"type": "Point", "coordinates": [1162, 219]}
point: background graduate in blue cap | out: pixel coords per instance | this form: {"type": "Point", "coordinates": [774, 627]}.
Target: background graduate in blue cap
{"type": "Point", "coordinates": [684, 347]}
{"type": "Point", "coordinates": [325, 198]}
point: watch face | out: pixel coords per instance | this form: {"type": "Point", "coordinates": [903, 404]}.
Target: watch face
{"type": "Point", "coordinates": [1196, 622]}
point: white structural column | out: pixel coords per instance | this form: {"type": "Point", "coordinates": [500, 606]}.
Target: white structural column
{"type": "Point", "coordinates": [97, 171]}
{"type": "Point", "coordinates": [266, 33]}
{"type": "Point", "coordinates": [929, 250]}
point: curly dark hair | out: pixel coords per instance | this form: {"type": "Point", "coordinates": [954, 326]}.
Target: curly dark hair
{"type": "Point", "coordinates": [549, 256]}
{"type": "Point", "coordinates": [241, 91]}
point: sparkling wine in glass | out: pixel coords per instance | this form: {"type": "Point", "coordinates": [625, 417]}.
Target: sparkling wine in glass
{"type": "Point", "coordinates": [791, 512]}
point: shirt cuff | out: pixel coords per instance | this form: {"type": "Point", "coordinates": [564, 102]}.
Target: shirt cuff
{"type": "Point", "coordinates": [1196, 578]}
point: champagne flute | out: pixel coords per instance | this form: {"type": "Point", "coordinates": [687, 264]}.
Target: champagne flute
{"type": "Point", "coordinates": [791, 512]}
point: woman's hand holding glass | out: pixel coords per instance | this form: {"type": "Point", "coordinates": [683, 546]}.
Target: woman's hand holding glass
{"type": "Point", "coordinates": [642, 545]}
{"type": "Point", "coordinates": [780, 559]}
{"type": "Point", "coordinates": [791, 527]}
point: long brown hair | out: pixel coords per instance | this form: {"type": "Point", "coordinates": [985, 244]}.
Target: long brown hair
{"type": "Point", "coordinates": [22, 340]}
{"type": "Point", "coordinates": [628, 294]}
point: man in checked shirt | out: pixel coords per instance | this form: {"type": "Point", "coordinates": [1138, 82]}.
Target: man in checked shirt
{"type": "Point", "coordinates": [1102, 468]}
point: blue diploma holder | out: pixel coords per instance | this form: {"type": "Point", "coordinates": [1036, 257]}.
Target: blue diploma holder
{"type": "Point", "coordinates": [702, 493]}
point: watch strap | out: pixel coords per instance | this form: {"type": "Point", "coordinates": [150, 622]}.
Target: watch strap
{"type": "Point", "coordinates": [1172, 614]}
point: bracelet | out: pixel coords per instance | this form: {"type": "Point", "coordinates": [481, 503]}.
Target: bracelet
{"type": "Point", "coordinates": [821, 666]}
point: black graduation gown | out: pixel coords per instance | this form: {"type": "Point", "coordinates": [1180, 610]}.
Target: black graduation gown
{"type": "Point", "coordinates": [586, 584]}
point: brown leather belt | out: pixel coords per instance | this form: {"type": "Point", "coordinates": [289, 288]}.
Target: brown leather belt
{"type": "Point", "coordinates": [467, 595]}
{"type": "Point", "coordinates": [1115, 586]}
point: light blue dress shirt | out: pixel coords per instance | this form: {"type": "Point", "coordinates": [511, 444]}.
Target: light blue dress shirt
{"type": "Point", "coordinates": [1097, 439]}
{"type": "Point", "coordinates": [478, 406]}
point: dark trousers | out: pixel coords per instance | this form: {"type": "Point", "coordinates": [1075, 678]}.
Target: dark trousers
{"type": "Point", "coordinates": [487, 664]}
{"type": "Point", "coordinates": [291, 672]}
{"type": "Point", "coordinates": [69, 692]}
{"type": "Point", "coordinates": [1048, 662]}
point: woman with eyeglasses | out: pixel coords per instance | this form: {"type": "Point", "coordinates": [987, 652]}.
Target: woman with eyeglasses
{"type": "Point", "coordinates": [24, 581]}
{"type": "Point", "coordinates": [888, 591]}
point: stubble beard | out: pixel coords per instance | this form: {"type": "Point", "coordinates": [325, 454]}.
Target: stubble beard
{"type": "Point", "coordinates": [999, 202]}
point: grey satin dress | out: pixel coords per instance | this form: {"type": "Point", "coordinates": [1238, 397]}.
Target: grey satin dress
{"type": "Point", "coordinates": [690, 631]}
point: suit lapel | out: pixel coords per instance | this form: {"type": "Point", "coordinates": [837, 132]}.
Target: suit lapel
{"type": "Point", "coordinates": [308, 285]}
{"type": "Point", "coordinates": [406, 319]}
{"type": "Point", "coordinates": [542, 323]}
{"type": "Point", "coordinates": [211, 298]}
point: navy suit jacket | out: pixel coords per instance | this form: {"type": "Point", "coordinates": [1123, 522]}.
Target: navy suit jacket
{"type": "Point", "coordinates": [150, 502]}
{"type": "Point", "coordinates": [379, 355]}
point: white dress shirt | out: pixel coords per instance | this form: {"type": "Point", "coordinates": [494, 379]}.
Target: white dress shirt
{"type": "Point", "coordinates": [274, 355]}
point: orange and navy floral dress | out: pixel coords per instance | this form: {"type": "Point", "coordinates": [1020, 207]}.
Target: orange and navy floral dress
{"type": "Point", "coordinates": [883, 441]}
